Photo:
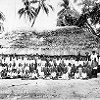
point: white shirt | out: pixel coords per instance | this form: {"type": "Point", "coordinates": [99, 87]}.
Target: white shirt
{"type": "Point", "coordinates": [51, 62]}
{"type": "Point", "coordinates": [84, 75]}
{"type": "Point", "coordinates": [1, 68]}
{"type": "Point", "coordinates": [93, 57]}
{"type": "Point", "coordinates": [53, 74]}
{"type": "Point", "coordinates": [58, 62]}
{"type": "Point", "coordinates": [34, 75]}
{"type": "Point", "coordinates": [43, 62]}
{"type": "Point", "coordinates": [66, 62]}
{"type": "Point", "coordinates": [65, 76]}
{"type": "Point", "coordinates": [33, 61]}
{"type": "Point", "coordinates": [99, 61]}
{"type": "Point", "coordinates": [7, 60]}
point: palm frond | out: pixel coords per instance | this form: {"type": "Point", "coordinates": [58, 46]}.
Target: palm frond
{"type": "Point", "coordinates": [61, 12]}
{"type": "Point", "coordinates": [33, 10]}
{"type": "Point", "coordinates": [44, 7]}
{"type": "Point", "coordinates": [51, 7]}
{"type": "Point", "coordinates": [66, 2]}
{"type": "Point", "coordinates": [2, 16]}
{"type": "Point", "coordinates": [38, 9]}
{"type": "Point", "coordinates": [34, 1]}
{"type": "Point", "coordinates": [63, 5]}
{"type": "Point", "coordinates": [30, 15]}
{"type": "Point", "coordinates": [21, 12]}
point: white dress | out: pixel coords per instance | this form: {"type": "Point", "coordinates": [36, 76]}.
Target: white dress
{"type": "Point", "coordinates": [1, 68]}
{"type": "Point", "coordinates": [84, 75]}
{"type": "Point", "coordinates": [53, 74]}
{"type": "Point", "coordinates": [65, 76]}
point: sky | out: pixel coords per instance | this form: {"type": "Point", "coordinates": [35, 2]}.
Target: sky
{"type": "Point", "coordinates": [11, 7]}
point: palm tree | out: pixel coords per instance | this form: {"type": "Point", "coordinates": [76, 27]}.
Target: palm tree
{"type": "Point", "coordinates": [91, 10]}
{"type": "Point", "coordinates": [32, 12]}
{"type": "Point", "coordinates": [91, 13]}
{"type": "Point", "coordinates": [28, 11]}
{"type": "Point", "coordinates": [66, 15]}
{"type": "Point", "coordinates": [41, 5]}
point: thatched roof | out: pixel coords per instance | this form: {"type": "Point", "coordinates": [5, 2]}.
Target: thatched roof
{"type": "Point", "coordinates": [60, 41]}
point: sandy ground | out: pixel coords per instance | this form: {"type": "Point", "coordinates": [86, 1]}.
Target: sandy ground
{"type": "Point", "coordinates": [17, 89]}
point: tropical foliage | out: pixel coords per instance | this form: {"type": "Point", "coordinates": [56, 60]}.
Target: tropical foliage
{"type": "Point", "coordinates": [2, 18]}
{"type": "Point", "coordinates": [88, 18]}
{"type": "Point", "coordinates": [27, 11]}
{"type": "Point", "coordinates": [66, 16]}
{"type": "Point", "coordinates": [33, 12]}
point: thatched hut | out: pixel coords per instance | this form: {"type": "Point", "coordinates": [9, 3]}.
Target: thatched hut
{"type": "Point", "coordinates": [67, 40]}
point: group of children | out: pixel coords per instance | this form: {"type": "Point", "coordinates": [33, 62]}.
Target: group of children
{"type": "Point", "coordinates": [37, 67]}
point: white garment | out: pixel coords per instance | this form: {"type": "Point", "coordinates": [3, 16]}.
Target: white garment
{"type": "Point", "coordinates": [33, 61]}
{"type": "Point", "coordinates": [76, 75]}
{"type": "Point", "coordinates": [93, 57]}
{"type": "Point", "coordinates": [84, 75]}
{"type": "Point", "coordinates": [14, 74]}
{"type": "Point", "coordinates": [9, 74]}
{"type": "Point", "coordinates": [65, 76]}
{"type": "Point", "coordinates": [39, 70]}
{"type": "Point", "coordinates": [41, 74]}
{"type": "Point", "coordinates": [17, 64]}
{"type": "Point", "coordinates": [53, 74]}
{"type": "Point", "coordinates": [43, 62]}
{"type": "Point", "coordinates": [34, 75]}
{"type": "Point", "coordinates": [81, 63]}
{"type": "Point", "coordinates": [29, 62]}
{"type": "Point", "coordinates": [7, 60]}
{"type": "Point", "coordinates": [72, 61]}
{"type": "Point", "coordinates": [69, 69]}
{"type": "Point", "coordinates": [99, 61]}
{"type": "Point", "coordinates": [77, 63]}
{"type": "Point", "coordinates": [51, 62]}
{"type": "Point", "coordinates": [1, 68]}
{"type": "Point", "coordinates": [66, 62]}
{"type": "Point", "coordinates": [58, 62]}
{"type": "Point", "coordinates": [95, 68]}
{"type": "Point", "coordinates": [38, 61]}
{"type": "Point", "coordinates": [25, 60]}
{"type": "Point", "coordinates": [27, 68]}
{"type": "Point", "coordinates": [3, 61]}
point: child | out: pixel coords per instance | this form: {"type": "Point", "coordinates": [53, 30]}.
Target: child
{"type": "Point", "coordinates": [65, 76]}
{"type": "Point", "coordinates": [34, 75]}
{"type": "Point", "coordinates": [80, 71]}
{"type": "Point", "coordinates": [53, 75]}
{"type": "Point", "coordinates": [76, 76]}
{"type": "Point", "coordinates": [84, 75]}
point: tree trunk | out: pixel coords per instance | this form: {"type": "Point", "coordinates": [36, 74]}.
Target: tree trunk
{"type": "Point", "coordinates": [91, 29]}
{"type": "Point", "coordinates": [33, 21]}
{"type": "Point", "coordinates": [38, 10]}
{"type": "Point", "coordinates": [93, 32]}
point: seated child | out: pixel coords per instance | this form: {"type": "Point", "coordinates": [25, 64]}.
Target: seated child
{"type": "Point", "coordinates": [84, 75]}
{"type": "Point", "coordinates": [34, 75]}
{"type": "Point", "coordinates": [53, 75]}
{"type": "Point", "coordinates": [76, 76]}
{"type": "Point", "coordinates": [65, 76]}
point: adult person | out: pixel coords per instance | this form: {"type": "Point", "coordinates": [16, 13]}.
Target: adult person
{"type": "Point", "coordinates": [94, 65]}
{"type": "Point", "coordinates": [94, 56]}
{"type": "Point", "coordinates": [99, 65]}
{"type": "Point", "coordinates": [94, 62]}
